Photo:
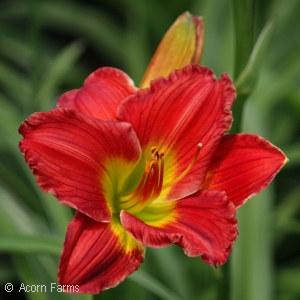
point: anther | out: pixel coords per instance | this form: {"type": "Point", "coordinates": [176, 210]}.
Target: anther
{"type": "Point", "coordinates": [152, 150]}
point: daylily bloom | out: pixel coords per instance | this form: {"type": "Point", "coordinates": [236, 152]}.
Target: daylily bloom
{"type": "Point", "coordinates": [149, 167]}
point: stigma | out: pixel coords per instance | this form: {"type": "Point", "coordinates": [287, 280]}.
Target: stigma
{"type": "Point", "coordinates": [152, 182]}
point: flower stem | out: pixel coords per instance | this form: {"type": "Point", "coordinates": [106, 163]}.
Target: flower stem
{"type": "Point", "coordinates": [237, 111]}
{"type": "Point", "coordinates": [243, 14]}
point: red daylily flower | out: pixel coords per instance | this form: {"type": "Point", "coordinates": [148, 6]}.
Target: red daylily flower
{"type": "Point", "coordinates": [148, 167]}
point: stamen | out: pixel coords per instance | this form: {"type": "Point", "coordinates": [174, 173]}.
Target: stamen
{"type": "Point", "coordinates": [151, 183]}
{"type": "Point", "coordinates": [152, 150]}
{"type": "Point", "coordinates": [184, 173]}
{"type": "Point", "coordinates": [160, 178]}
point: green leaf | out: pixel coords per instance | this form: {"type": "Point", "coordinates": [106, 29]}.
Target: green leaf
{"type": "Point", "coordinates": [14, 82]}
{"type": "Point", "coordinates": [6, 273]}
{"type": "Point", "coordinates": [288, 283]}
{"type": "Point", "coordinates": [251, 263]}
{"type": "Point", "coordinates": [9, 116]}
{"type": "Point", "coordinates": [135, 58]}
{"type": "Point", "coordinates": [83, 20]}
{"type": "Point", "coordinates": [30, 244]}
{"type": "Point", "coordinates": [15, 216]}
{"type": "Point", "coordinates": [27, 270]}
{"type": "Point", "coordinates": [172, 269]}
{"type": "Point", "coordinates": [59, 214]}
{"type": "Point", "coordinates": [153, 285]}
{"type": "Point", "coordinates": [15, 50]}
{"type": "Point", "coordinates": [57, 71]}
{"type": "Point", "coordinates": [247, 80]}
{"type": "Point", "coordinates": [39, 276]}
{"type": "Point", "coordinates": [251, 266]}
{"type": "Point", "coordinates": [243, 15]}
{"type": "Point", "coordinates": [15, 182]}
{"type": "Point", "coordinates": [288, 208]}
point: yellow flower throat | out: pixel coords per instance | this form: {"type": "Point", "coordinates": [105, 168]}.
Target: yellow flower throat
{"type": "Point", "coordinates": [152, 182]}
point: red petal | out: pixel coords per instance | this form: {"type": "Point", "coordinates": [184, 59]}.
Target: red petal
{"type": "Point", "coordinates": [203, 224]}
{"type": "Point", "coordinates": [177, 113]}
{"type": "Point", "coordinates": [101, 94]}
{"type": "Point", "coordinates": [97, 256]}
{"type": "Point", "coordinates": [72, 155]}
{"type": "Point", "coordinates": [243, 165]}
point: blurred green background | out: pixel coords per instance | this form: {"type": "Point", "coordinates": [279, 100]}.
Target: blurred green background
{"type": "Point", "coordinates": [49, 47]}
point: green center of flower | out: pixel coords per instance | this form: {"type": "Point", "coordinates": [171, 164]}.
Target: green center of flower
{"type": "Point", "coordinates": [152, 182]}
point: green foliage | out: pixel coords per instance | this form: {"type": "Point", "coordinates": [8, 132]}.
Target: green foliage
{"type": "Point", "coordinates": [49, 47]}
